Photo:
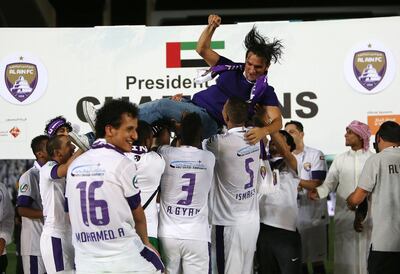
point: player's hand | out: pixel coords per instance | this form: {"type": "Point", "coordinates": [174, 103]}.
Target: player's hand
{"type": "Point", "coordinates": [177, 97]}
{"type": "Point", "coordinates": [357, 224]}
{"type": "Point", "coordinates": [254, 135]}
{"type": "Point", "coordinates": [313, 195]}
{"type": "Point", "coordinates": [149, 245]}
{"type": "Point", "coordinates": [214, 20]}
{"type": "Point", "coordinates": [350, 206]}
{"type": "Point", "coordinates": [2, 245]}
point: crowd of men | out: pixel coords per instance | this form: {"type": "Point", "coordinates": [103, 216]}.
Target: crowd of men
{"type": "Point", "coordinates": [132, 202]}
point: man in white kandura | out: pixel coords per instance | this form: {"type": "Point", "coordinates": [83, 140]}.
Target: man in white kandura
{"type": "Point", "coordinates": [351, 248]}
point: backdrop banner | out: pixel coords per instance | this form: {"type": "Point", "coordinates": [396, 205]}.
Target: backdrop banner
{"type": "Point", "coordinates": [332, 72]}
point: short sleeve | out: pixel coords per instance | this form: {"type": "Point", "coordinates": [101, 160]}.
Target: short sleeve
{"type": "Point", "coordinates": [224, 61]}
{"type": "Point", "coordinates": [24, 198]}
{"type": "Point", "coordinates": [128, 178]}
{"type": "Point", "coordinates": [269, 97]}
{"type": "Point", "coordinates": [211, 144]}
{"type": "Point", "coordinates": [318, 167]}
{"type": "Point", "coordinates": [368, 175]}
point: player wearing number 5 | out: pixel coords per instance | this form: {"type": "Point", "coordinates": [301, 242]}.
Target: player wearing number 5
{"type": "Point", "coordinates": [183, 226]}
{"type": "Point", "coordinates": [55, 241]}
{"type": "Point", "coordinates": [233, 200]}
{"type": "Point", "coordinates": [108, 223]}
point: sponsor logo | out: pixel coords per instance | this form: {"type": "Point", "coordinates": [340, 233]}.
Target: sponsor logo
{"type": "Point", "coordinates": [188, 165]}
{"type": "Point", "coordinates": [174, 57]}
{"type": "Point", "coordinates": [24, 188]}
{"type": "Point", "coordinates": [375, 120]}
{"type": "Point", "coordinates": [369, 67]}
{"type": "Point", "coordinates": [263, 171]}
{"type": "Point", "coordinates": [24, 79]}
{"type": "Point", "coordinates": [134, 182]}
{"type": "Point", "coordinates": [15, 132]}
{"type": "Point", "coordinates": [247, 150]}
{"type": "Point", "coordinates": [307, 166]}
{"type": "Point", "coordinates": [88, 170]}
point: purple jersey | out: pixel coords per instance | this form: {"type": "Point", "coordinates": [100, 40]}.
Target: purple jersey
{"type": "Point", "coordinates": [229, 84]}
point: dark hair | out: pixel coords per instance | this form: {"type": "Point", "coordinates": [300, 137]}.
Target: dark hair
{"type": "Point", "coordinates": [54, 124]}
{"type": "Point", "coordinates": [111, 113]}
{"type": "Point", "coordinates": [258, 119]}
{"type": "Point", "coordinates": [144, 132]}
{"type": "Point", "coordinates": [38, 144]}
{"type": "Point", "coordinates": [53, 144]}
{"type": "Point", "coordinates": [237, 110]}
{"type": "Point", "coordinates": [191, 132]}
{"type": "Point", "coordinates": [297, 124]}
{"type": "Point", "coordinates": [260, 46]}
{"type": "Point", "coordinates": [389, 131]}
{"type": "Point", "coordinates": [289, 139]}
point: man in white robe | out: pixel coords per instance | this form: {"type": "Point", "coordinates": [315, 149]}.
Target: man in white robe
{"type": "Point", "coordinates": [351, 247]}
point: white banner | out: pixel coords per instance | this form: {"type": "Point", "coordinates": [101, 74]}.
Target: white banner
{"type": "Point", "coordinates": [331, 73]}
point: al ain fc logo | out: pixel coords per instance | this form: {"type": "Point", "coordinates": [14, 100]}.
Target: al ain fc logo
{"type": "Point", "coordinates": [21, 79]}
{"type": "Point", "coordinates": [369, 67]}
{"type": "Point", "coordinates": [25, 79]}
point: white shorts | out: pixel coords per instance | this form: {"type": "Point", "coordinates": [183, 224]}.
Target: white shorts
{"type": "Point", "coordinates": [146, 261]}
{"type": "Point", "coordinates": [57, 253]}
{"type": "Point", "coordinates": [234, 247]}
{"type": "Point", "coordinates": [185, 256]}
{"type": "Point", "coordinates": [314, 242]}
{"type": "Point", "coordinates": [33, 264]}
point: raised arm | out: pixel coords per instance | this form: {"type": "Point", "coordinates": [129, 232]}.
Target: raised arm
{"type": "Point", "coordinates": [204, 43]}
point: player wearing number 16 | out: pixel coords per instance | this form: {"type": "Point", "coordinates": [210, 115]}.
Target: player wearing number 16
{"type": "Point", "coordinates": [108, 223]}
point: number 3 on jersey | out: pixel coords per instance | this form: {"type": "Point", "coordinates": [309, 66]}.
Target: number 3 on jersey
{"type": "Point", "coordinates": [189, 188]}
{"type": "Point", "coordinates": [87, 197]}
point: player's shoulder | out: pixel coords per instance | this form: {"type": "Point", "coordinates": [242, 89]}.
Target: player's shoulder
{"type": "Point", "coordinates": [29, 175]}
{"type": "Point", "coordinates": [314, 152]}
{"type": "Point", "coordinates": [166, 149]}
{"type": "Point", "coordinates": [47, 167]}
{"type": "Point", "coordinates": [154, 155]}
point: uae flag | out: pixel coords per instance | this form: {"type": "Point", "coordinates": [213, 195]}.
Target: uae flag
{"type": "Point", "coordinates": [179, 53]}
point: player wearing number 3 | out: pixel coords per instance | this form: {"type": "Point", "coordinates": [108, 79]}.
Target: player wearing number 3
{"type": "Point", "coordinates": [183, 227]}
{"type": "Point", "coordinates": [108, 223]}
{"type": "Point", "coordinates": [55, 241]}
{"type": "Point", "coordinates": [233, 200]}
